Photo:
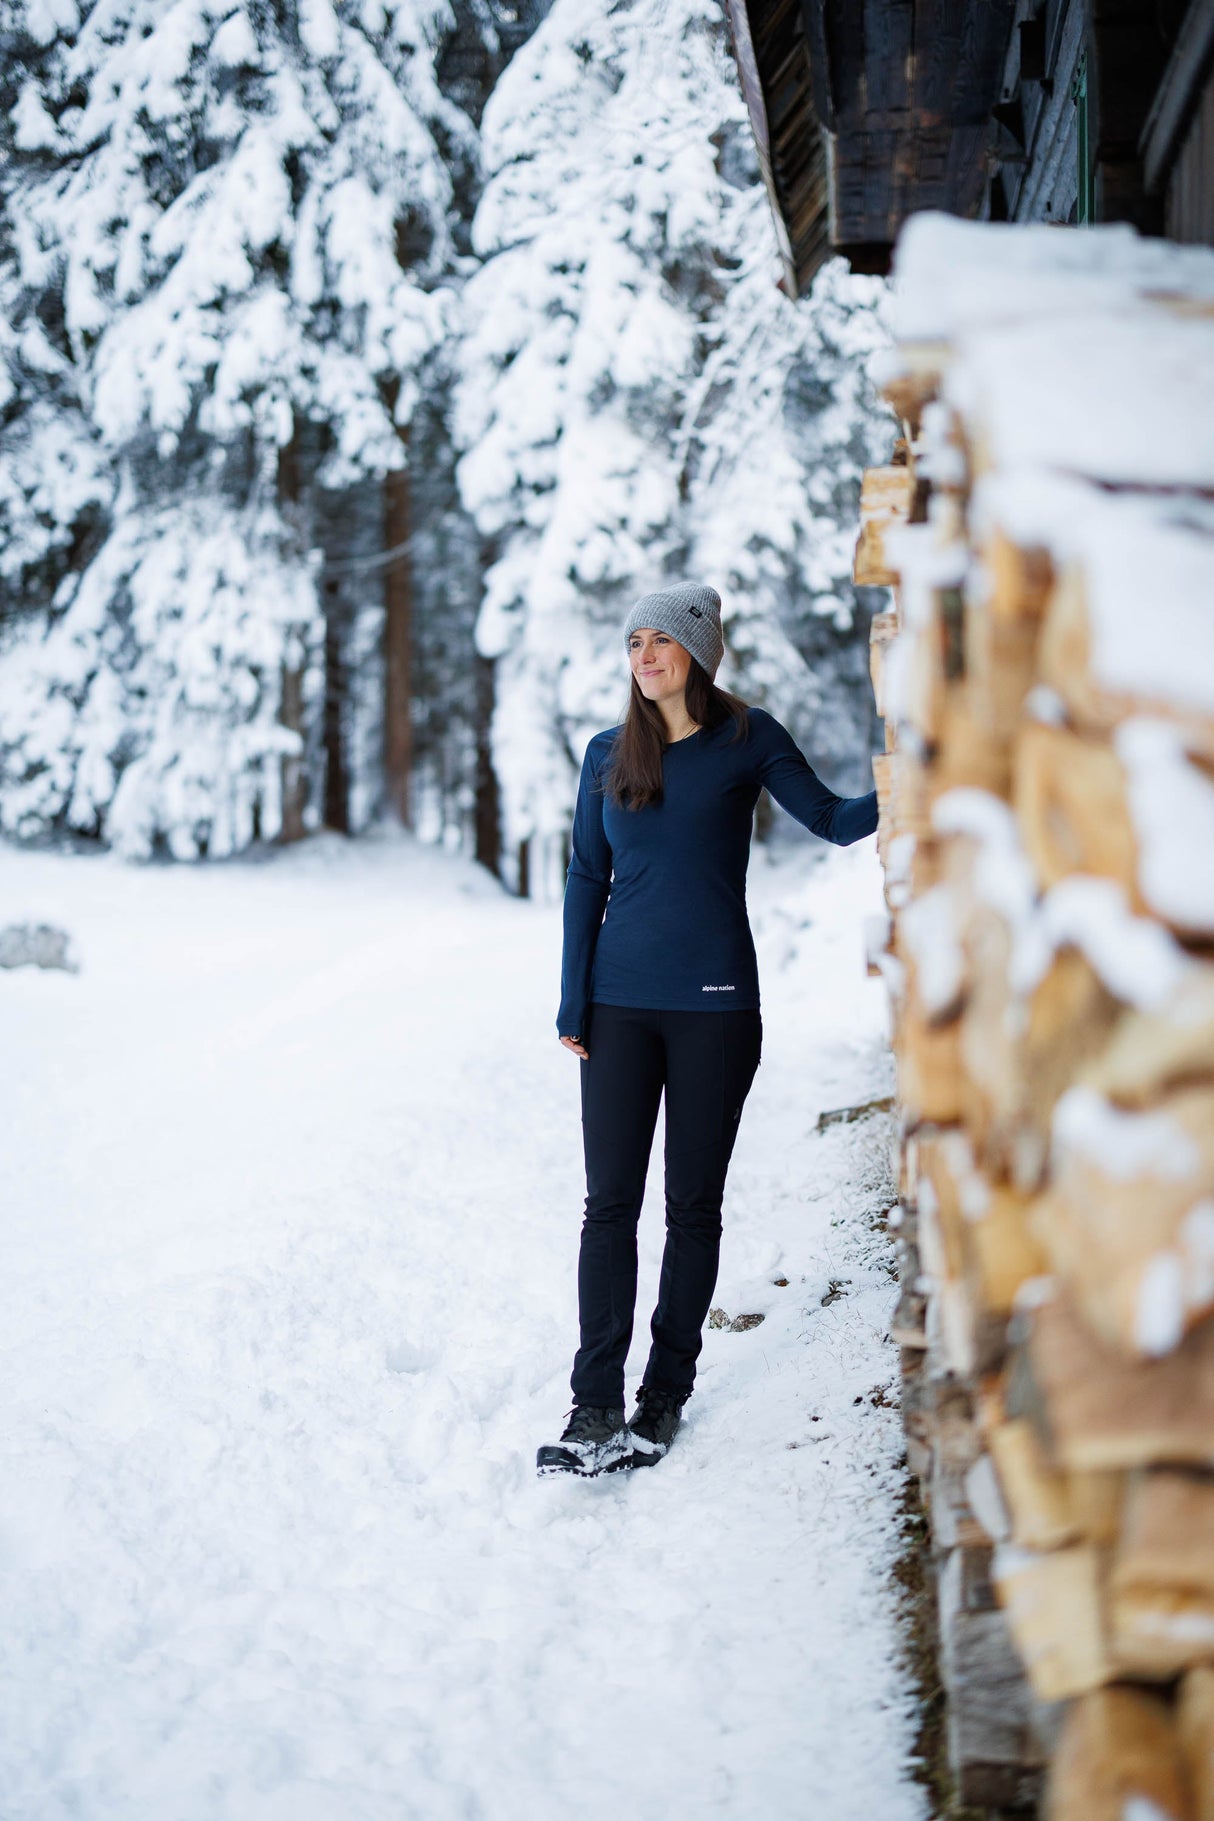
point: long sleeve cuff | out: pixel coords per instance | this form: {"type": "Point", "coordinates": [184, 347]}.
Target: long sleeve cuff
{"type": "Point", "coordinates": [854, 817]}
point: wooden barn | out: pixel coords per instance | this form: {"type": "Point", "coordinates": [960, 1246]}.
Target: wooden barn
{"type": "Point", "coordinates": [1039, 179]}
{"type": "Point", "coordinates": [1074, 111]}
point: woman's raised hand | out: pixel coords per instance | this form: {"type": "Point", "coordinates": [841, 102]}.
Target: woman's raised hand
{"type": "Point", "coordinates": [575, 1044]}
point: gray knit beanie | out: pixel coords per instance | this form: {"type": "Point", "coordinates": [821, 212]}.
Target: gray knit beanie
{"type": "Point", "coordinates": [690, 613]}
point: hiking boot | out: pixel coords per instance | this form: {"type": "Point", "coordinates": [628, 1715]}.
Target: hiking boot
{"type": "Point", "coordinates": [654, 1424]}
{"type": "Point", "coordinates": [596, 1440]}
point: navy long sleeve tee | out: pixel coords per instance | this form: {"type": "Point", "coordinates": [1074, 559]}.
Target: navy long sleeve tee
{"type": "Point", "coordinates": [655, 900]}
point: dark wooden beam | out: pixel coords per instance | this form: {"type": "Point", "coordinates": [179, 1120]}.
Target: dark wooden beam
{"type": "Point", "coordinates": [1127, 53]}
{"type": "Point", "coordinates": [914, 82]}
{"type": "Point", "coordinates": [900, 90]}
{"type": "Point", "coordinates": [813, 22]}
{"type": "Point", "coordinates": [757, 83]}
{"type": "Point", "coordinates": [1178, 94]}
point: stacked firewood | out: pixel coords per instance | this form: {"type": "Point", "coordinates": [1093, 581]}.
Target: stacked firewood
{"type": "Point", "coordinates": [1047, 833]}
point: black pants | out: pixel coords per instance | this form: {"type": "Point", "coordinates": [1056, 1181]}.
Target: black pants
{"type": "Point", "coordinates": [706, 1062]}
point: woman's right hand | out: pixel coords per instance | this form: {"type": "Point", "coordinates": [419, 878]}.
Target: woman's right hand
{"type": "Point", "coordinates": [575, 1044]}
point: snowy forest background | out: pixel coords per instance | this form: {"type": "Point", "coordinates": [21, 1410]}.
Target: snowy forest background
{"type": "Point", "coordinates": [361, 364]}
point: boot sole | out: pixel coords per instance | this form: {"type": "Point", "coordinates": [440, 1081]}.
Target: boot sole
{"type": "Point", "coordinates": [550, 1461]}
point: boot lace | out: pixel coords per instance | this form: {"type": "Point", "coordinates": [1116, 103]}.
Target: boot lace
{"type": "Point", "coordinates": [654, 1404]}
{"type": "Point", "coordinates": [587, 1423]}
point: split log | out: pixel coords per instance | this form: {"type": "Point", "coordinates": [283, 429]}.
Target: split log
{"type": "Point", "coordinates": [1161, 1586]}
{"type": "Point", "coordinates": [1098, 1410]}
{"type": "Point", "coordinates": [925, 1037]}
{"type": "Point", "coordinates": [993, 1754]}
{"type": "Point", "coordinates": [1002, 627]}
{"type": "Point", "coordinates": [936, 1241]}
{"type": "Point", "coordinates": [1075, 800]}
{"type": "Point", "coordinates": [927, 941]}
{"type": "Point", "coordinates": [910, 792]}
{"type": "Point", "coordinates": [1118, 1756]}
{"type": "Point", "coordinates": [918, 1412]}
{"type": "Point", "coordinates": [956, 1445]}
{"type": "Point", "coordinates": [908, 1178]}
{"type": "Point", "coordinates": [930, 862]}
{"type": "Point", "coordinates": [1053, 1606]}
{"type": "Point", "coordinates": [1070, 799]}
{"type": "Point", "coordinates": [1019, 1053]}
{"type": "Point", "coordinates": [928, 1061]}
{"type": "Point", "coordinates": [883, 629]}
{"type": "Point", "coordinates": [883, 778]}
{"type": "Point", "coordinates": [989, 1239]}
{"type": "Point", "coordinates": [973, 1338]}
{"type": "Point", "coordinates": [969, 754]}
{"type": "Point", "coordinates": [1046, 1505]}
{"type": "Point", "coordinates": [986, 1250]}
{"type": "Point", "coordinates": [946, 510]}
{"type": "Point", "coordinates": [930, 931]}
{"type": "Point", "coordinates": [1068, 666]}
{"type": "Point", "coordinates": [1195, 1718]}
{"type": "Point", "coordinates": [1019, 583]}
{"type": "Point", "coordinates": [886, 496]}
{"type": "Point", "coordinates": [1153, 1051]}
{"type": "Point", "coordinates": [915, 675]}
{"type": "Point", "coordinates": [1003, 1249]}
{"type": "Point", "coordinates": [1128, 1219]}
{"type": "Point", "coordinates": [916, 384]}
{"type": "Point", "coordinates": [908, 1323]}
{"type": "Point", "coordinates": [903, 811]}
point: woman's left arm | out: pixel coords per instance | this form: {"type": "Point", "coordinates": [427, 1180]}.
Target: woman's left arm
{"type": "Point", "coordinates": [783, 768]}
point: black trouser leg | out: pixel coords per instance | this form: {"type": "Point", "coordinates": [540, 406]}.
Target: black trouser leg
{"type": "Point", "coordinates": [706, 1061]}
{"type": "Point", "coordinates": [621, 1090]}
{"type": "Point", "coordinates": [711, 1059]}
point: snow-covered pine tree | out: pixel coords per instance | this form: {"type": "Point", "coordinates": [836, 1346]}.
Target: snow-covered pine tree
{"type": "Point", "coordinates": [788, 426]}
{"type": "Point", "coordinates": [222, 247]}
{"type": "Point", "coordinates": [453, 786]}
{"type": "Point", "coordinates": [640, 401]}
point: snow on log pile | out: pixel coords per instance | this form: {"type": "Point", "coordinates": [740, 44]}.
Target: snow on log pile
{"type": "Point", "coordinates": [1047, 832]}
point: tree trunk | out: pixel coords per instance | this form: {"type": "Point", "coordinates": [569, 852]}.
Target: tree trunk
{"type": "Point", "coordinates": [337, 770]}
{"type": "Point", "coordinates": [293, 778]}
{"type": "Point", "coordinates": [294, 782]}
{"type": "Point", "coordinates": [398, 647]}
{"type": "Point", "coordinates": [488, 824]}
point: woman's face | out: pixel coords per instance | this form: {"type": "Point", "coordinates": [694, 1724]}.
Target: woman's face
{"type": "Point", "coordinates": [659, 664]}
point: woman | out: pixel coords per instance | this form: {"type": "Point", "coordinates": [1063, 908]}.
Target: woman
{"type": "Point", "coordinates": [662, 994]}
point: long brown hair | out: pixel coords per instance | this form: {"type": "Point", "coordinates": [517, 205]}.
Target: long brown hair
{"type": "Point", "coordinates": [634, 779]}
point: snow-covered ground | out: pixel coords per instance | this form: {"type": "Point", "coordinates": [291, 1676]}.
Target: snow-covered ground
{"type": "Point", "coordinates": [291, 1195]}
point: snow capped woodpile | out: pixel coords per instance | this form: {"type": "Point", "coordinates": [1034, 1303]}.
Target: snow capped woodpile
{"type": "Point", "coordinates": [1047, 831]}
